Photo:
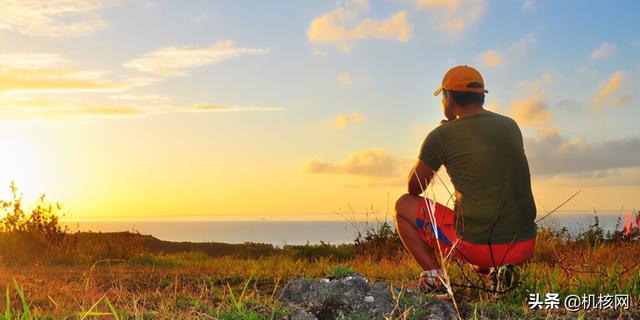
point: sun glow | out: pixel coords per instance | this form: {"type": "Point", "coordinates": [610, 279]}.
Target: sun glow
{"type": "Point", "coordinates": [17, 164]}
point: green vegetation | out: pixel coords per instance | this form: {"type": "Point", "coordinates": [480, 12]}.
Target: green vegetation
{"type": "Point", "coordinates": [50, 273]}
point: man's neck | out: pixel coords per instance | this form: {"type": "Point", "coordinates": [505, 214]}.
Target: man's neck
{"type": "Point", "coordinates": [468, 110]}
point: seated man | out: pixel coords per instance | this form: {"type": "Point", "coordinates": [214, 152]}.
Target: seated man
{"type": "Point", "coordinates": [493, 221]}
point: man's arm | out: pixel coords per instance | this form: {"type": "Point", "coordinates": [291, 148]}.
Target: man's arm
{"type": "Point", "coordinates": [419, 177]}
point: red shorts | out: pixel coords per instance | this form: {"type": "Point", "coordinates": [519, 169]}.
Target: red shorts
{"type": "Point", "coordinates": [473, 253]}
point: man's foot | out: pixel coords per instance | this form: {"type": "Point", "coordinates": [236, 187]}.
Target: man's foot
{"type": "Point", "coordinates": [433, 285]}
{"type": "Point", "coordinates": [505, 277]}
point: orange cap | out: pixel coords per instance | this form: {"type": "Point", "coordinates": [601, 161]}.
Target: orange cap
{"type": "Point", "coordinates": [462, 78]}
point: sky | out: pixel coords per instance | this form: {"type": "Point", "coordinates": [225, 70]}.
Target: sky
{"type": "Point", "coordinates": [303, 110]}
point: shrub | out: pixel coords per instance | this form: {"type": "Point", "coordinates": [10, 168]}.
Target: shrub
{"type": "Point", "coordinates": [36, 232]}
{"type": "Point", "coordinates": [311, 252]}
{"type": "Point", "coordinates": [379, 243]}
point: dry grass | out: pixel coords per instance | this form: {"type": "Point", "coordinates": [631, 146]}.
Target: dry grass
{"type": "Point", "coordinates": [116, 277]}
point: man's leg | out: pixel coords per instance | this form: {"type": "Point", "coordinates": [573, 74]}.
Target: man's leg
{"type": "Point", "coordinates": [405, 218]}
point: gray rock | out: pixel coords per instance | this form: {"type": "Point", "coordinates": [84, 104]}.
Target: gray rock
{"type": "Point", "coordinates": [352, 296]}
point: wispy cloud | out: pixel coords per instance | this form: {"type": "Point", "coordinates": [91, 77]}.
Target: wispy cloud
{"type": "Point", "coordinates": [175, 61]}
{"type": "Point", "coordinates": [532, 111]}
{"type": "Point", "coordinates": [519, 49]}
{"type": "Point", "coordinates": [607, 93]}
{"type": "Point", "coordinates": [610, 87]}
{"type": "Point", "coordinates": [454, 16]}
{"type": "Point", "coordinates": [337, 27]}
{"type": "Point", "coordinates": [26, 107]}
{"type": "Point", "coordinates": [529, 5]}
{"type": "Point", "coordinates": [223, 108]}
{"type": "Point", "coordinates": [54, 80]}
{"type": "Point", "coordinates": [606, 50]}
{"type": "Point", "coordinates": [359, 3]}
{"type": "Point", "coordinates": [140, 97]}
{"type": "Point", "coordinates": [52, 18]}
{"type": "Point", "coordinates": [22, 108]}
{"type": "Point", "coordinates": [31, 60]}
{"type": "Point", "coordinates": [491, 58]}
{"type": "Point", "coordinates": [318, 52]}
{"type": "Point", "coordinates": [376, 162]}
{"type": "Point", "coordinates": [345, 78]}
{"type": "Point", "coordinates": [342, 121]}
{"type": "Point", "coordinates": [493, 105]}
{"type": "Point", "coordinates": [46, 72]}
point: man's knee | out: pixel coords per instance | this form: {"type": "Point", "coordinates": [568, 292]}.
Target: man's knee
{"type": "Point", "coordinates": [404, 205]}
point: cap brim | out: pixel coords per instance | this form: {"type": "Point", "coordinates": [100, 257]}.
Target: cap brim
{"type": "Point", "coordinates": [437, 92]}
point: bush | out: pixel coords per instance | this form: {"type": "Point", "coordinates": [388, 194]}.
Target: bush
{"type": "Point", "coordinates": [379, 243]}
{"type": "Point", "coordinates": [37, 232]}
{"type": "Point", "coordinates": [311, 252]}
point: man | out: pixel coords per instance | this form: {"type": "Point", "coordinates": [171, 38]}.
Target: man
{"type": "Point", "coordinates": [493, 222]}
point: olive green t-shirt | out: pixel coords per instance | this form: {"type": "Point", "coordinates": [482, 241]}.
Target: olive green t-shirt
{"type": "Point", "coordinates": [484, 156]}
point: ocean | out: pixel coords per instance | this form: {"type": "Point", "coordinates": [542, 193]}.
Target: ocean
{"type": "Point", "coordinates": [281, 233]}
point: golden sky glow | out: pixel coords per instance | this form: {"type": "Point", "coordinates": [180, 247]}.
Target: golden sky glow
{"type": "Point", "coordinates": [152, 110]}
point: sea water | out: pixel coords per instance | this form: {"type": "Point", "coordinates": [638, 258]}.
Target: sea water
{"type": "Point", "coordinates": [281, 233]}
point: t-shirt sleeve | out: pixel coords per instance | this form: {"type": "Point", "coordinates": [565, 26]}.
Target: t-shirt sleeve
{"type": "Point", "coordinates": [430, 152]}
{"type": "Point", "coordinates": [517, 130]}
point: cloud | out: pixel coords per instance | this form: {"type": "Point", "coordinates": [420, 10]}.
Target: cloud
{"type": "Point", "coordinates": [341, 121]}
{"type": "Point", "coordinates": [31, 60]}
{"type": "Point", "coordinates": [25, 107]}
{"type": "Point", "coordinates": [345, 78]}
{"type": "Point", "coordinates": [47, 72]}
{"type": "Point", "coordinates": [344, 48]}
{"type": "Point", "coordinates": [454, 16]}
{"type": "Point", "coordinates": [317, 52]}
{"type": "Point", "coordinates": [604, 51]}
{"type": "Point", "coordinates": [493, 105]}
{"type": "Point", "coordinates": [143, 97]}
{"type": "Point", "coordinates": [529, 5]}
{"type": "Point", "coordinates": [58, 80]}
{"type": "Point", "coordinates": [536, 85]}
{"type": "Point", "coordinates": [360, 3]}
{"type": "Point", "coordinates": [223, 108]}
{"type": "Point", "coordinates": [550, 153]}
{"type": "Point", "coordinates": [52, 18]}
{"type": "Point", "coordinates": [174, 61]}
{"type": "Point", "coordinates": [376, 162]}
{"type": "Point", "coordinates": [568, 104]}
{"type": "Point", "coordinates": [607, 93]}
{"type": "Point", "coordinates": [609, 87]}
{"type": "Point", "coordinates": [333, 28]}
{"type": "Point", "coordinates": [532, 111]}
{"type": "Point", "coordinates": [518, 50]}
{"type": "Point", "coordinates": [556, 155]}
{"type": "Point", "coordinates": [594, 179]}
{"type": "Point", "coordinates": [491, 58]}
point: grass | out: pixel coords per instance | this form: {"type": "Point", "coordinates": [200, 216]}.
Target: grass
{"type": "Point", "coordinates": [243, 288]}
{"type": "Point", "coordinates": [122, 280]}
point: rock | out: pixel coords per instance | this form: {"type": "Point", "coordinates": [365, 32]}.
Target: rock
{"type": "Point", "coordinates": [353, 296]}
